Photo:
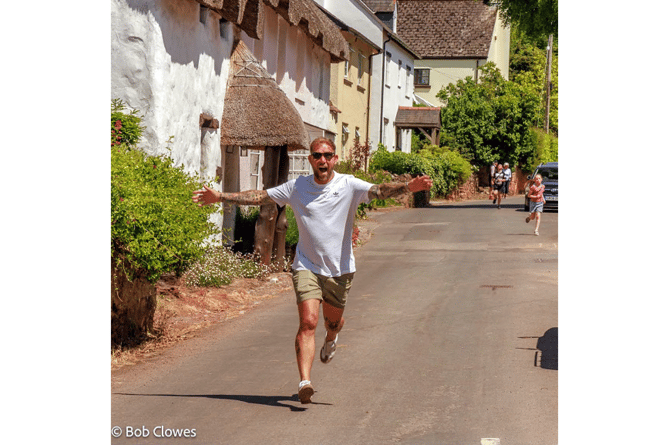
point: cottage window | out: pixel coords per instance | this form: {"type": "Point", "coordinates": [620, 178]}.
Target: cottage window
{"type": "Point", "coordinates": [344, 134]}
{"type": "Point", "coordinates": [421, 77]}
{"type": "Point", "coordinates": [222, 27]}
{"type": "Point", "coordinates": [361, 67]}
{"type": "Point", "coordinates": [408, 80]}
{"type": "Point", "coordinates": [399, 74]}
{"type": "Point", "coordinates": [299, 164]}
{"type": "Point", "coordinates": [388, 57]}
{"type": "Point", "coordinates": [203, 14]}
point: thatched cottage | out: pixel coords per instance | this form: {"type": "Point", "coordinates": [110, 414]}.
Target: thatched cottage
{"type": "Point", "coordinates": [223, 80]}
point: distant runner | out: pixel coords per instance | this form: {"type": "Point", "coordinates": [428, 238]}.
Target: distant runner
{"type": "Point", "coordinates": [537, 201]}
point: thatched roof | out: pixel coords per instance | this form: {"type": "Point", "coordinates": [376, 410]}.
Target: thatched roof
{"type": "Point", "coordinates": [249, 15]}
{"type": "Point", "coordinates": [256, 111]}
{"type": "Point", "coordinates": [306, 15]}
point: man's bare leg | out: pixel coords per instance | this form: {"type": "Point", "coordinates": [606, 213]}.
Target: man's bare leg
{"type": "Point", "coordinates": [334, 320]}
{"type": "Point", "coordinates": [305, 341]}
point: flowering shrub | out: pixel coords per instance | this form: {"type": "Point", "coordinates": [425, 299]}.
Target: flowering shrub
{"type": "Point", "coordinates": [356, 235]}
{"type": "Point", "coordinates": [155, 226]}
{"type": "Point", "coordinates": [219, 265]}
{"type": "Point", "coordinates": [359, 155]}
{"type": "Point", "coordinates": [125, 128]}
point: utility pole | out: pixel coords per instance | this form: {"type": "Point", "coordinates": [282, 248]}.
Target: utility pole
{"type": "Point", "coordinates": [549, 58]}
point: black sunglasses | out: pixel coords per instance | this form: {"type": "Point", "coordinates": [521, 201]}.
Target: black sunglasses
{"type": "Point", "coordinates": [327, 155]}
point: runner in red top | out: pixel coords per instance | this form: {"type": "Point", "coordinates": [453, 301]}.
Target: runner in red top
{"type": "Point", "coordinates": [537, 201]}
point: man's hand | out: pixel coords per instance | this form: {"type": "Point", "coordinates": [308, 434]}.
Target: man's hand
{"type": "Point", "coordinates": [248, 197]}
{"type": "Point", "coordinates": [420, 184]}
{"type": "Point", "coordinates": [389, 189]}
{"type": "Point", "coordinates": [206, 196]}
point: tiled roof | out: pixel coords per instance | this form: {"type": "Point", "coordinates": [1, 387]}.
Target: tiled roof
{"type": "Point", "coordinates": [411, 117]}
{"type": "Point", "coordinates": [380, 5]}
{"type": "Point", "coordinates": [446, 28]}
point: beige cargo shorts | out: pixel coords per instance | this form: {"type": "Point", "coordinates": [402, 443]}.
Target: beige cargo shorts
{"type": "Point", "coordinates": [332, 290]}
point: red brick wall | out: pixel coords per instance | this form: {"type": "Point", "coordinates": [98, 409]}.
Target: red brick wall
{"type": "Point", "coordinates": [466, 191]}
{"type": "Point", "coordinates": [477, 184]}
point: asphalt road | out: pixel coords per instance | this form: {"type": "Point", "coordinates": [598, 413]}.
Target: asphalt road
{"type": "Point", "coordinates": [450, 338]}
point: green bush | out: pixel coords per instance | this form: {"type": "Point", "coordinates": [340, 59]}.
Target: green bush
{"type": "Point", "coordinates": [545, 149]}
{"type": "Point", "coordinates": [155, 226]}
{"type": "Point", "coordinates": [446, 168]}
{"type": "Point", "coordinates": [245, 228]}
{"type": "Point", "coordinates": [292, 233]}
{"type": "Point", "coordinates": [347, 167]}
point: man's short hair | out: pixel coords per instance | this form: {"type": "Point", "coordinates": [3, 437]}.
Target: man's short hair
{"type": "Point", "coordinates": [318, 141]}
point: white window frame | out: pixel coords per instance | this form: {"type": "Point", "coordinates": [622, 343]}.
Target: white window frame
{"type": "Point", "coordinates": [256, 176]}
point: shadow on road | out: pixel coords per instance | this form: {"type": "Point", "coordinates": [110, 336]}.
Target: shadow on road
{"type": "Point", "coordinates": [258, 400]}
{"type": "Point", "coordinates": [548, 345]}
{"type": "Point", "coordinates": [487, 205]}
{"type": "Point", "coordinates": [546, 351]}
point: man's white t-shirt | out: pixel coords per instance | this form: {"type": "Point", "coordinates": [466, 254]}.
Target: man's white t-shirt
{"type": "Point", "coordinates": [325, 215]}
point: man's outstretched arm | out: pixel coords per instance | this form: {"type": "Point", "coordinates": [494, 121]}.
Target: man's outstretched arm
{"type": "Point", "coordinates": [389, 189]}
{"type": "Point", "coordinates": [248, 197]}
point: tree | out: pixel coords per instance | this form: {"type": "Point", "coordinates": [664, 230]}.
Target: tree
{"type": "Point", "coordinates": [490, 120]}
{"type": "Point", "coordinates": [527, 67]}
{"type": "Point", "coordinates": [537, 19]}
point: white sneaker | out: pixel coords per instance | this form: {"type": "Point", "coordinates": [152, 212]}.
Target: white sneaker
{"type": "Point", "coordinates": [328, 349]}
{"type": "Point", "coordinates": [305, 391]}
{"type": "Point", "coordinates": [536, 232]}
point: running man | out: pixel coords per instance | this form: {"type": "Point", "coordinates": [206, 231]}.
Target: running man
{"type": "Point", "coordinates": [325, 205]}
